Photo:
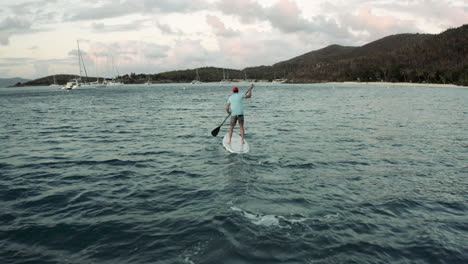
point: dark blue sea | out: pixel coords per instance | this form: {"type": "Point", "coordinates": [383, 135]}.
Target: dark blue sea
{"type": "Point", "coordinates": [336, 173]}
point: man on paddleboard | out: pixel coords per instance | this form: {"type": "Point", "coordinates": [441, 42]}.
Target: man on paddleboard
{"type": "Point", "coordinates": [235, 107]}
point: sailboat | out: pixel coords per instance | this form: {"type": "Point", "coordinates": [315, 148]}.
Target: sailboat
{"type": "Point", "coordinates": [55, 83]}
{"type": "Point", "coordinates": [224, 80]}
{"type": "Point", "coordinates": [197, 78]}
{"type": "Point", "coordinates": [72, 84]}
{"type": "Point", "coordinates": [75, 83]}
{"type": "Point", "coordinates": [113, 81]}
{"type": "Point", "coordinates": [97, 83]}
{"type": "Point", "coordinates": [148, 82]}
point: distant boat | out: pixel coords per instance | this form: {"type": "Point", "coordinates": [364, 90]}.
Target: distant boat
{"type": "Point", "coordinates": [148, 82]}
{"type": "Point", "coordinates": [75, 83]}
{"type": "Point", "coordinates": [55, 83]}
{"type": "Point", "coordinates": [279, 80]}
{"type": "Point", "coordinates": [197, 78]}
{"type": "Point", "coordinates": [72, 84]}
{"type": "Point", "coordinates": [111, 82]}
{"type": "Point", "coordinates": [97, 83]}
{"type": "Point", "coordinates": [224, 80]}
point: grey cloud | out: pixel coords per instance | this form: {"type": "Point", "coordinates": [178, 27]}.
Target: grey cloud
{"type": "Point", "coordinates": [368, 22]}
{"type": "Point", "coordinates": [329, 27]}
{"type": "Point", "coordinates": [437, 9]}
{"type": "Point", "coordinates": [74, 52]}
{"type": "Point", "coordinates": [289, 23]}
{"type": "Point", "coordinates": [117, 8]}
{"type": "Point", "coordinates": [38, 11]}
{"type": "Point", "coordinates": [101, 27]}
{"type": "Point", "coordinates": [47, 17]}
{"type": "Point", "coordinates": [186, 53]}
{"type": "Point", "coordinates": [109, 10]}
{"type": "Point", "coordinates": [101, 54]}
{"type": "Point", "coordinates": [166, 29]}
{"type": "Point", "coordinates": [11, 26]}
{"type": "Point", "coordinates": [436, 12]}
{"type": "Point", "coordinates": [4, 38]}
{"type": "Point", "coordinates": [219, 27]}
{"type": "Point", "coordinates": [22, 8]}
{"type": "Point", "coordinates": [130, 56]}
{"type": "Point", "coordinates": [250, 11]}
{"type": "Point", "coordinates": [177, 6]}
{"type": "Point", "coordinates": [297, 24]}
{"type": "Point", "coordinates": [129, 48]}
{"type": "Point", "coordinates": [14, 61]}
{"type": "Point", "coordinates": [155, 55]}
{"type": "Point", "coordinates": [14, 24]}
{"type": "Point", "coordinates": [139, 48]}
{"type": "Point", "coordinates": [25, 17]}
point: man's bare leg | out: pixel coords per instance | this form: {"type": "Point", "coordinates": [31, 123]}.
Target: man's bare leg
{"type": "Point", "coordinates": [242, 131]}
{"type": "Point", "coordinates": [231, 129]}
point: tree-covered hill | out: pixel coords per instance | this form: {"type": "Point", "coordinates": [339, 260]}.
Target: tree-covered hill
{"type": "Point", "coordinates": [441, 58]}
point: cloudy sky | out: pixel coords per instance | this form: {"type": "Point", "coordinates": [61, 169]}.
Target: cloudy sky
{"type": "Point", "coordinates": [39, 37]}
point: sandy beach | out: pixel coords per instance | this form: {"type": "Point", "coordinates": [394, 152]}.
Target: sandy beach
{"type": "Point", "coordinates": [438, 85]}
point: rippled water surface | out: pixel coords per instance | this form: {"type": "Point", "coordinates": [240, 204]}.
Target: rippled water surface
{"type": "Point", "coordinates": [336, 174]}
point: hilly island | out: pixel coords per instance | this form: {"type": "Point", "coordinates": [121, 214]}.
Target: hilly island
{"type": "Point", "coordinates": [412, 58]}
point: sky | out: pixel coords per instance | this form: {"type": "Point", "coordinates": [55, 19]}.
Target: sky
{"type": "Point", "coordinates": [115, 37]}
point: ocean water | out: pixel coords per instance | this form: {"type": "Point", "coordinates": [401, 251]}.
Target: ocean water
{"type": "Point", "coordinates": [336, 174]}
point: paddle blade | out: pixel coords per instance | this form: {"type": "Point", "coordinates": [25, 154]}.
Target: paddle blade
{"type": "Point", "coordinates": [215, 131]}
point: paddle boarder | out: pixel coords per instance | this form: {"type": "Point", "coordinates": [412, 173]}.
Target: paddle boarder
{"type": "Point", "coordinates": [235, 107]}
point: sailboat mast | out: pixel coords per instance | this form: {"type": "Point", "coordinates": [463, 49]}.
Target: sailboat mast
{"type": "Point", "coordinates": [81, 62]}
{"type": "Point", "coordinates": [79, 57]}
{"type": "Point", "coordinates": [114, 69]}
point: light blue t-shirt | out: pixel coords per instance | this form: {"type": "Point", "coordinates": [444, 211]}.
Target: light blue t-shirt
{"type": "Point", "coordinates": [237, 104]}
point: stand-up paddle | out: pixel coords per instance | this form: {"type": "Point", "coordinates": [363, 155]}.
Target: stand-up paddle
{"type": "Point", "coordinates": [215, 131]}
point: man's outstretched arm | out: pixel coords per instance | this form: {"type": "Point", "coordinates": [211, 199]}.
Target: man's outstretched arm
{"type": "Point", "coordinates": [249, 94]}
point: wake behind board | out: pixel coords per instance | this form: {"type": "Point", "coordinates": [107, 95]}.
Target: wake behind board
{"type": "Point", "coordinates": [236, 145]}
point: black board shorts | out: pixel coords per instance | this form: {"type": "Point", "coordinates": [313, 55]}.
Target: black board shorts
{"type": "Point", "coordinates": [237, 118]}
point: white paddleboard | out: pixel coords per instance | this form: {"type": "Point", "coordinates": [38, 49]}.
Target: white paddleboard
{"type": "Point", "coordinates": [236, 145]}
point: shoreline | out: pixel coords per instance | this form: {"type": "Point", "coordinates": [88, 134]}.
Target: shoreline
{"type": "Point", "coordinates": [437, 85]}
